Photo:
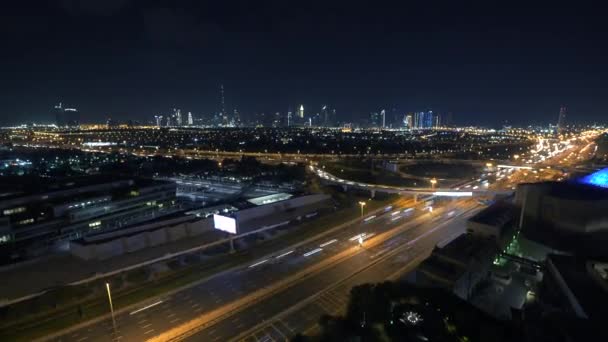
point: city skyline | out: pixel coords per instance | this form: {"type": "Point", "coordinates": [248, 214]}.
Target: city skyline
{"type": "Point", "coordinates": [133, 60]}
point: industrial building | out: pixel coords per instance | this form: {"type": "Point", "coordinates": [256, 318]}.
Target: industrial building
{"type": "Point", "coordinates": [37, 213]}
{"type": "Point", "coordinates": [262, 214]}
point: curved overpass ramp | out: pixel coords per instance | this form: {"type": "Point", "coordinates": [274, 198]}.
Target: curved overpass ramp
{"type": "Point", "coordinates": [449, 192]}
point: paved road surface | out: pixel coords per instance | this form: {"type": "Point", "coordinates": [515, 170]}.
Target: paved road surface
{"type": "Point", "coordinates": [418, 240]}
{"type": "Point", "coordinates": [167, 312]}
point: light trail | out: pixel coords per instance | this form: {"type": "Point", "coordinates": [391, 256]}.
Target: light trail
{"type": "Point", "coordinates": [328, 243]}
{"type": "Point", "coordinates": [258, 263]}
{"type": "Point", "coordinates": [284, 254]}
{"type": "Point", "coordinates": [314, 251]}
{"type": "Point", "coordinates": [367, 219]}
{"type": "Point", "coordinates": [145, 307]}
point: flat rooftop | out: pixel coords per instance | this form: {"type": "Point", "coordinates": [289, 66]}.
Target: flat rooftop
{"type": "Point", "coordinates": [268, 199]}
{"type": "Point", "coordinates": [496, 214]}
{"type": "Point", "coordinates": [585, 281]}
{"type": "Point", "coordinates": [22, 186]}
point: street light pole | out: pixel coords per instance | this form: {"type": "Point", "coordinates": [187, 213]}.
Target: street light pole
{"type": "Point", "coordinates": [361, 204]}
{"type": "Point", "coordinates": [111, 306]}
{"type": "Point", "coordinates": [433, 182]}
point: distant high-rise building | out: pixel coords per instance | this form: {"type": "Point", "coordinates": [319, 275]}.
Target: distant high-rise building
{"type": "Point", "coordinates": [429, 119]}
{"type": "Point", "coordinates": [177, 113]}
{"type": "Point", "coordinates": [223, 115]}
{"type": "Point", "coordinates": [58, 114]}
{"type": "Point", "coordinates": [66, 117]}
{"type": "Point", "coordinates": [190, 119]}
{"type": "Point", "coordinates": [561, 120]}
{"type": "Point", "coordinates": [301, 112]}
{"type": "Point", "coordinates": [325, 116]}
{"type": "Point", "coordinates": [72, 117]}
{"type": "Point", "coordinates": [168, 124]}
{"type": "Point", "coordinates": [437, 120]}
{"type": "Point", "coordinates": [289, 118]}
{"type": "Point", "coordinates": [408, 121]}
{"type": "Point", "coordinates": [418, 120]}
{"type": "Point", "coordinates": [236, 118]}
{"type": "Point", "coordinates": [383, 115]}
{"type": "Point", "coordinates": [375, 119]}
{"type": "Point", "coordinates": [159, 120]}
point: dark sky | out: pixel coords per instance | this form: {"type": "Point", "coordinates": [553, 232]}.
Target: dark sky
{"type": "Point", "coordinates": [485, 62]}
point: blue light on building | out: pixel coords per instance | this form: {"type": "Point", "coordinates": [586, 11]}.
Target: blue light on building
{"type": "Point", "coordinates": [599, 178]}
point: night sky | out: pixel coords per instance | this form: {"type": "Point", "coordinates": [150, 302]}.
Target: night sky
{"type": "Point", "coordinates": [486, 62]}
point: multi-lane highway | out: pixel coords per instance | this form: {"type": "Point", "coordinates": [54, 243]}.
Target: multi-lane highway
{"type": "Point", "coordinates": [327, 292]}
{"type": "Point", "coordinates": [211, 296]}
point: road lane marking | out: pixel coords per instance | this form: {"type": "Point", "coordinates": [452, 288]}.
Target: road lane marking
{"type": "Point", "coordinates": [142, 321]}
{"type": "Point", "coordinates": [328, 243]}
{"type": "Point", "coordinates": [82, 339]}
{"type": "Point", "coordinates": [149, 331]}
{"type": "Point", "coordinates": [174, 320]}
{"type": "Point", "coordinates": [171, 315]}
{"type": "Point", "coordinates": [146, 307]}
{"type": "Point", "coordinates": [145, 326]}
{"type": "Point", "coordinates": [258, 263]}
{"type": "Point", "coordinates": [314, 251]}
{"type": "Point", "coordinates": [284, 254]}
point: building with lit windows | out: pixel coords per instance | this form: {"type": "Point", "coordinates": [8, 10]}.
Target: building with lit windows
{"type": "Point", "coordinates": [39, 215]}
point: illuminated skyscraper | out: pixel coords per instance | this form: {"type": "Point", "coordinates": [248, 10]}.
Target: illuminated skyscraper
{"type": "Point", "coordinates": [429, 119]}
{"type": "Point", "coordinates": [301, 112]}
{"type": "Point", "coordinates": [408, 121]}
{"type": "Point", "coordinates": [159, 120]}
{"type": "Point", "coordinates": [419, 120]}
{"type": "Point", "coordinates": [561, 120]}
{"type": "Point", "coordinates": [178, 116]}
{"type": "Point", "coordinates": [325, 116]}
{"type": "Point", "coordinates": [190, 119]}
{"type": "Point", "coordinates": [383, 115]}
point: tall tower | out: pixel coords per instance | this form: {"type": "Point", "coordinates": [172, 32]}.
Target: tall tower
{"type": "Point", "coordinates": [190, 120]}
{"type": "Point", "coordinates": [301, 112]}
{"type": "Point", "coordinates": [561, 120]}
{"type": "Point", "coordinates": [178, 117]}
{"type": "Point", "coordinates": [223, 116]}
{"type": "Point", "coordinates": [159, 120]}
{"type": "Point", "coordinates": [383, 113]}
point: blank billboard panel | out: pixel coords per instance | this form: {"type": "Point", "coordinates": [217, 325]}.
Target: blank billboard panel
{"type": "Point", "coordinates": [224, 223]}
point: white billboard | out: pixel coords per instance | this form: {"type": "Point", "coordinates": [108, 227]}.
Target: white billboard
{"type": "Point", "coordinates": [224, 223]}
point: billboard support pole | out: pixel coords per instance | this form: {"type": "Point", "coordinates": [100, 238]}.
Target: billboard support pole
{"type": "Point", "coordinates": [232, 245]}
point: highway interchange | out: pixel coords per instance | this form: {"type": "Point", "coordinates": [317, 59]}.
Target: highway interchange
{"type": "Point", "coordinates": [277, 296]}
